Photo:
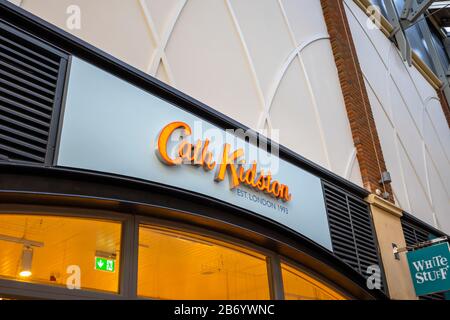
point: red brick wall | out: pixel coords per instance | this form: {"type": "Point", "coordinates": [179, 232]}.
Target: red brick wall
{"type": "Point", "coordinates": [362, 124]}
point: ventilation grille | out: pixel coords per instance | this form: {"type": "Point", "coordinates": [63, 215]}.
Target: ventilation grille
{"type": "Point", "coordinates": [351, 230]}
{"type": "Point", "coordinates": [31, 76]}
{"type": "Point", "coordinates": [414, 234]}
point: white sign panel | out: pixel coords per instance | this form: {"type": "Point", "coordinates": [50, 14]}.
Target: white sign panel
{"type": "Point", "coordinates": [112, 126]}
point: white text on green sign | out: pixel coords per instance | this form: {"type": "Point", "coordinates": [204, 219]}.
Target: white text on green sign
{"type": "Point", "coordinates": [104, 264]}
{"type": "Point", "coordinates": [429, 269]}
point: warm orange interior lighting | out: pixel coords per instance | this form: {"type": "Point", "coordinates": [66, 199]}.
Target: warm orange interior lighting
{"type": "Point", "coordinates": [25, 274]}
{"type": "Point", "coordinates": [66, 242]}
{"type": "Point", "coordinates": [180, 265]}
{"type": "Point", "coordinates": [300, 286]}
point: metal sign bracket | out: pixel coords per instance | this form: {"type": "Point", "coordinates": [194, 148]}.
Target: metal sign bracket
{"type": "Point", "coordinates": [396, 250]}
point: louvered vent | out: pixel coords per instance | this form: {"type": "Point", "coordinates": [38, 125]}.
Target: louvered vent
{"type": "Point", "coordinates": [351, 229]}
{"type": "Point", "coordinates": [31, 76]}
{"type": "Point", "coordinates": [414, 234]}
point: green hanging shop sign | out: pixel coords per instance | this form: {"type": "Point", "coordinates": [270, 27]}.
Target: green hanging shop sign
{"type": "Point", "coordinates": [429, 269]}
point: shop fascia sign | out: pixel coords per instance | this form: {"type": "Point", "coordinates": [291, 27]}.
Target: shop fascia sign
{"type": "Point", "coordinates": [429, 269]}
{"type": "Point", "coordinates": [231, 161]}
{"type": "Point", "coordinates": [113, 127]}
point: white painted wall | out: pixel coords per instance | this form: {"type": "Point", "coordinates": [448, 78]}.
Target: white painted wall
{"type": "Point", "coordinates": [265, 63]}
{"type": "Point", "coordinates": [414, 134]}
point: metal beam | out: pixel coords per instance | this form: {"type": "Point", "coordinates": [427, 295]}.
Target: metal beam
{"type": "Point", "coordinates": [446, 43]}
{"type": "Point", "coordinates": [398, 34]}
{"type": "Point", "coordinates": [440, 70]}
{"type": "Point", "coordinates": [419, 245]}
{"type": "Point", "coordinates": [21, 241]}
{"type": "Point", "coordinates": [413, 10]}
{"type": "Point", "coordinates": [433, 53]}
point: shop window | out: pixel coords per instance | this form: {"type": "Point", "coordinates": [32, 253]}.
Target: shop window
{"type": "Point", "coordinates": [178, 265]}
{"type": "Point", "coordinates": [299, 286]}
{"type": "Point", "coordinates": [60, 251]}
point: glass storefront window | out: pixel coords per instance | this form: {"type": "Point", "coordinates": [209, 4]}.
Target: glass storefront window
{"type": "Point", "coordinates": [179, 265]}
{"type": "Point", "coordinates": [60, 251]}
{"type": "Point", "coordinates": [299, 286]}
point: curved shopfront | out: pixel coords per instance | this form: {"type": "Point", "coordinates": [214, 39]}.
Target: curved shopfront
{"type": "Point", "coordinates": [114, 185]}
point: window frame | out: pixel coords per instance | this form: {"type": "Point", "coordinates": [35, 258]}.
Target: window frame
{"type": "Point", "coordinates": [22, 289]}
{"type": "Point", "coordinates": [270, 256]}
{"type": "Point", "coordinates": [313, 274]}
{"type": "Point", "coordinates": [128, 271]}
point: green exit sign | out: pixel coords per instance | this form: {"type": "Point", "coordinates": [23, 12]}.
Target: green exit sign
{"type": "Point", "coordinates": [104, 264]}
